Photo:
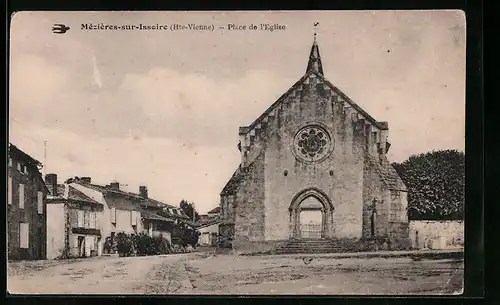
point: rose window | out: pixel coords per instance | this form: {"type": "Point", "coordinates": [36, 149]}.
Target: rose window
{"type": "Point", "coordinates": [312, 143]}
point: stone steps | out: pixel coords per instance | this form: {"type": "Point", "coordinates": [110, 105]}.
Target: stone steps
{"type": "Point", "coordinates": [315, 246]}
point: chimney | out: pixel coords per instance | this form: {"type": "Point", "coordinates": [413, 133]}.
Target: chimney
{"type": "Point", "coordinates": [143, 191]}
{"type": "Point", "coordinates": [51, 182]}
{"type": "Point", "coordinates": [115, 185]}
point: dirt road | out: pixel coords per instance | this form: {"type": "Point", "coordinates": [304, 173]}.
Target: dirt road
{"type": "Point", "coordinates": [204, 273]}
{"type": "Point", "coordinates": [102, 275]}
{"type": "Point", "coordinates": [324, 276]}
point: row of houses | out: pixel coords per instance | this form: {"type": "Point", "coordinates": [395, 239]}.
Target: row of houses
{"type": "Point", "coordinates": [48, 219]}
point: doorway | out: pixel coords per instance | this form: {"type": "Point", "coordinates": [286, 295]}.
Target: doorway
{"type": "Point", "coordinates": [311, 218]}
{"type": "Point", "coordinates": [311, 215]}
{"type": "Point", "coordinates": [81, 246]}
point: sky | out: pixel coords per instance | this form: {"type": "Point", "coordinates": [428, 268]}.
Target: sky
{"type": "Point", "coordinates": [162, 108]}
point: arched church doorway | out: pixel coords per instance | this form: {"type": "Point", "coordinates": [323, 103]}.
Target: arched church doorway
{"type": "Point", "coordinates": [311, 218]}
{"type": "Point", "coordinates": [311, 215]}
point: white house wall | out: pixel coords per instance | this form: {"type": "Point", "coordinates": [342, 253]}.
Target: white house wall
{"type": "Point", "coordinates": [55, 230]}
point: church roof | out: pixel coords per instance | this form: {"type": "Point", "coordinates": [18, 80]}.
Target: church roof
{"type": "Point", "coordinates": [237, 177]}
{"type": "Point", "coordinates": [233, 182]}
{"type": "Point", "coordinates": [387, 173]}
{"type": "Point", "coordinates": [314, 66]}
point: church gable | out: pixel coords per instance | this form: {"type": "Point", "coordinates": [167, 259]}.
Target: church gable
{"type": "Point", "coordinates": [328, 100]}
{"type": "Point", "coordinates": [325, 99]}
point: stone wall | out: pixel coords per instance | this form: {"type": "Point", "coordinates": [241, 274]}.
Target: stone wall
{"type": "Point", "coordinates": [248, 205]}
{"type": "Point", "coordinates": [340, 175]}
{"type": "Point", "coordinates": [374, 188]}
{"type": "Point", "coordinates": [33, 183]}
{"type": "Point", "coordinates": [226, 235]}
{"type": "Point", "coordinates": [257, 247]}
{"type": "Point", "coordinates": [436, 234]}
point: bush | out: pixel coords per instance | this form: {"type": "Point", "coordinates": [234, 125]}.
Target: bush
{"type": "Point", "coordinates": [144, 245]}
{"type": "Point", "coordinates": [190, 237]}
{"type": "Point", "coordinates": [125, 244]}
{"type": "Point", "coordinates": [141, 245]}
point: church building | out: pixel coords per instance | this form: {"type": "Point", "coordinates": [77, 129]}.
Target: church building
{"type": "Point", "coordinates": [314, 151]}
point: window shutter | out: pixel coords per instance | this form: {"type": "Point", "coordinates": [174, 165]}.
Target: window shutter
{"type": "Point", "coordinates": [10, 162]}
{"type": "Point", "coordinates": [92, 220]}
{"type": "Point", "coordinates": [133, 220]}
{"type": "Point", "coordinates": [18, 166]}
{"type": "Point", "coordinates": [96, 222]}
{"type": "Point", "coordinates": [21, 196]}
{"type": "Point", "coordinates": [24, 235]}
{"type": "Point", "coordinates": [86, 219]}
{"type": "Point", "coordinates": [9, 191]}
{"type": "Point", "coordinates": [80, 219]}
{"type": "Point", "coordinates": [40, 202]}
{"type": "Point", "coordinates": [113, 215]}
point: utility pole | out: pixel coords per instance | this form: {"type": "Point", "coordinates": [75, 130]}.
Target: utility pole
{"type": "Point", "coordinates": [45, 157]}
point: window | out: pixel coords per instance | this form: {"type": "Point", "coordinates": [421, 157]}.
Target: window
{"type": "Point", "coordinates": [40, 202]}
{"type": "Point", "coordinates": [80, 219]}
{"type": "Point", "coordinates": [9, 191]}
{"type": "Point", "coordinates": [24, 232]}
{"type": "Point", "coordinates": [10, 162]}
{"type": "Point", "coordinates": [175, 212]}
{"type": "Point", "coordinates": [133, 218]}
{"type": "Point", "coordinates": [18, 166]}
{"type": "Point", "coordinates": [21, 196]}
{"type": "Point", "coordinates": [113, 215]}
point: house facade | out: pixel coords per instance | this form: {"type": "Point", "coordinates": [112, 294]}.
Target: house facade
{"type": "Point", "coordinates": [73, 229]}
{"type": "Point", "coordinates": [313, 152]}
{"type": "Point", "coordinates": [208, 227]}
{"type": "Point", "coordinates": [26, 207]}
{"type": "Point", "coordinates": [131, 213]}
{"type": "Point", "coordinates": [159, 218]}
{"type": "Point", "coordinates": [209, 233]}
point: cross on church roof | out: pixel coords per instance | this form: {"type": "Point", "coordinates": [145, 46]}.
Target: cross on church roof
{"type": "Point", "coordinates": [314, 63]}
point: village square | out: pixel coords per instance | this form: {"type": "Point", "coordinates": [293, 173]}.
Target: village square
{"type": "Point", "coordinates": [315, 206]}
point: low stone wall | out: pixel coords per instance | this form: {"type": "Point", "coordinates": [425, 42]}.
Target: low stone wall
{"type": "Point", "coordinates": [249, 247]}
{"type": "Point", "coordinates": [426, 234]}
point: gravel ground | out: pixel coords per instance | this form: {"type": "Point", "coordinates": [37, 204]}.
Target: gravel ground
{"type": "Point", "coordinates": [100, 275]}
{"type": "Point", "coordinates": [206, 273]}
{"type": "Point", "coordinates": [289, 275]}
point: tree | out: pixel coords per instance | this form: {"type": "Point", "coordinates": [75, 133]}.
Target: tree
{"type": "Point", "coordinates": [436, 184]}
{"type": "Point", "coordinates": [188, 208]}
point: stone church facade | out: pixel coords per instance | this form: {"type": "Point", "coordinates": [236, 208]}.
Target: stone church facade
{"type": "Point", "coordinates": [314, 142]}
